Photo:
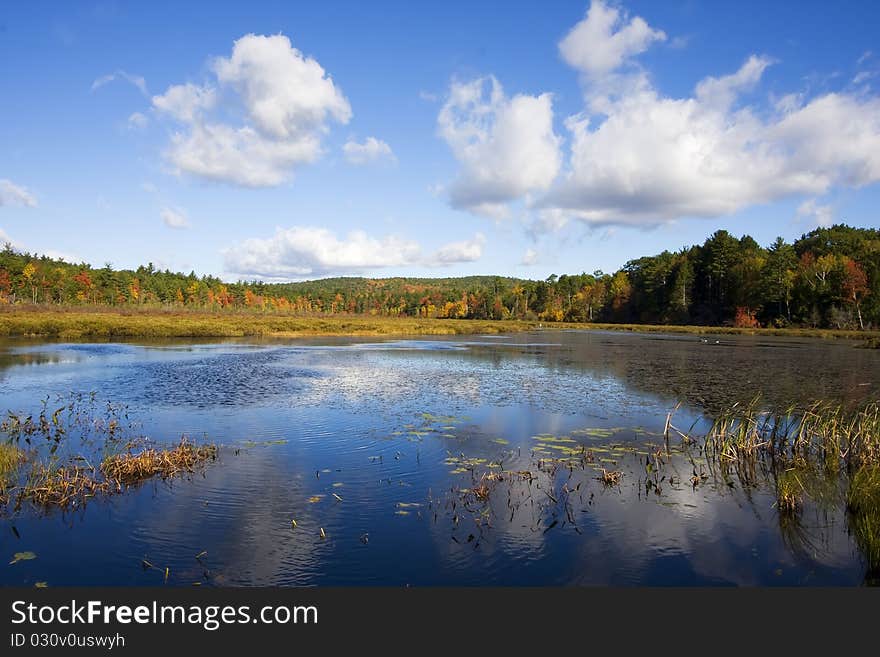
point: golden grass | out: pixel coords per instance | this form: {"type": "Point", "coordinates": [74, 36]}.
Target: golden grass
{"type": "Point", "coordinates": [129, 469]}
{"type": "Point", "coordinates": [63, 487]}
{"type": "Point", "coordinates": [11, 457]}
{"type": "Point", "coordinates": [106, 323]}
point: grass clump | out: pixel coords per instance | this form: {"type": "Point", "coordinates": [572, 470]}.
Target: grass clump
{"type": "Point", "coordinates": [789, 492]}
{"type": "Point", "coordinates": [129, 469]}
{"type": "Point", "coordinates": [11, 458]}
{"type": "Point", "coordinates": [863, 516]}
{"type": "Point", "coordinates": [65, 487]}
{"type": "Point", "coordinates": [825, 431]}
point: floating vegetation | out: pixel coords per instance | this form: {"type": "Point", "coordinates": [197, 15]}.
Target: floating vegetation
{"type": "Point", "coordinates": [596, 432]}
{"type": "Point", "coordinates": [250, 444]}
{"type": "Point", "coordinates": [65, 437]}
{"type": "Point", "coordinates": [129, 469]}
{"type": "Point", "coordinates": [610, 477]}
{"type": "Point", "coordinates": [22, 556]}
{"type": "Point", "coordinates": [67, 486]}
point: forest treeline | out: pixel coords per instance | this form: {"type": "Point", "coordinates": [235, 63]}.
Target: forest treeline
{"type": "Point", "coordinates": [830, 277]}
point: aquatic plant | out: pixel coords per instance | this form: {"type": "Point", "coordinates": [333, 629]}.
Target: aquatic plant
{"type": "Point", "coordinates": [132, 468]}
{"type": "Point", "coordinates": [863, 516]}
{"type": "Point", "coordinates": [789, 492]}
{"type": "Point", "coordinates": [823, 430]}
{"type": "Point", "coordinates": [11, 458]}
{"type": "Point", "coordinates": [610, 477]}
{"type": "Point", "coordinates": [63, 440]}
{"type": "Point", "coordinates": [69, 486]}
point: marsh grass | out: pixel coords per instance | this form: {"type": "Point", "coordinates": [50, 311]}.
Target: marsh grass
{"type": "Point", "coordinates": [863, 515]}
{"type": "Point", "coordinates": [789, 491]}
{"type": "Point", "coordinates": [11, 458]}
{"type": "Point", "coordinates": [65, 487]}
{"type": "Point", "coordinates": [102, 322]}
{"type": "Point", "coordinates": [128, 469]}
{"type": "Point", "coordinates": [62, 441]}
{"type": "Point", "coordinates": [833, 433]}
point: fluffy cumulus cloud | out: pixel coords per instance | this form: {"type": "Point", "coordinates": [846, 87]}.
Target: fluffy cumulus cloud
{"type": "Point", "coordinates": [185, 102]}
{"type": "Point", "coordinates": [465, 251]}
{"type": "Point", "coordinates": [174, 217]}
{"type": "Point", "coordinates": [12, 194]}
{"type": "Point", "coordinates": [371, 150]}
{"type": "Point", "coordinates": [606, 39]}
{"type": "Point", "coordinates": [506, 146]}
{"type": "Point", "coordinates": [305, 251]}
{"type": "Point", "coordinates": [640, 157]}
{"type": "Point", "coordinates": [653, 158]}
{"type": "Point", "coordinates": [287, 102]}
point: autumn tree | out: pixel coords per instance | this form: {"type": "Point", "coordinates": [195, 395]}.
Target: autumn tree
{"type": "Point", "coordinates": [855, 286]}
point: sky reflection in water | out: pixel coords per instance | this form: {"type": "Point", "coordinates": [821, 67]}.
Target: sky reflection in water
{"type": "Point", "coordinates": [307, 420]}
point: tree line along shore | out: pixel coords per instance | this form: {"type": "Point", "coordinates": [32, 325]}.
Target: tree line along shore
{"type": "Point", "coordinates": [827, 280]}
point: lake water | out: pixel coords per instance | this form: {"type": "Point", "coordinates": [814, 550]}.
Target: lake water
{"type": "Point", "coordinates": [382, 443]}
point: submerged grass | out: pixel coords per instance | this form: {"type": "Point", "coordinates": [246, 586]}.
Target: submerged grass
{"type": "Point", "coordinates": [102, 322]}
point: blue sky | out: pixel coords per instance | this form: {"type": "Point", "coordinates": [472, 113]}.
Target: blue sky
{"type": "Point", "coordinates": [301, 140]}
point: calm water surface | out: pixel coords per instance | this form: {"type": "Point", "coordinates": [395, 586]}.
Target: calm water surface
{"type": "Point", "coordinates": [378, 442]}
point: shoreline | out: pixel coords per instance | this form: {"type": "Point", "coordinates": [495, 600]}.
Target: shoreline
{"type": "Point", "coordinates": [156, 323]}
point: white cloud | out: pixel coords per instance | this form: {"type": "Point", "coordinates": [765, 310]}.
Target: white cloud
{"type": "Point", "coordinates": [530, 257]}
{"type": "Point", "coordinates": [821, 215]}
{"type": "Point", "coordinates": [371, 150]}
{"type": "Point", "coordinates": [605, 39]}
{"type": "Point", "coordinates": [285, 98]}
{"type": "Point", "coordinates": [506, 146]}
{"type": "Point", "coordinates": [12, 194]}
{"type": "Point", "coordinates": [174, 217]}
{"type": "Point", "coordinates": [185, 102]}
{"type": "Point", "coordinates": [284, 92]}
{"type": "Point", "coordinates": [239, 155]}
{"type": "Point", "coordinates": [465, 251]}
{"type": "Point", "coordinates": [137, 121]}
{"type": "Point", "coordinates": [135, 80]}
{"type": "Point", "coordinates": [641, 158]}
{"type": "Point", "coordinates": [303, 251]}
{"type": "Point", "coordinates": [721, 92]}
